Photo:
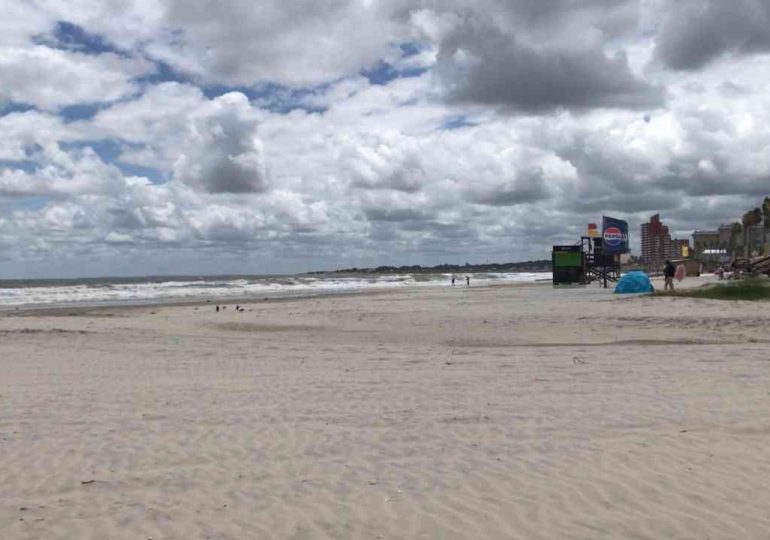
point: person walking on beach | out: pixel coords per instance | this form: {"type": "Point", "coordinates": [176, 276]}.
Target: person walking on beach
{"type": "Point", "coordinates": [668, 274]}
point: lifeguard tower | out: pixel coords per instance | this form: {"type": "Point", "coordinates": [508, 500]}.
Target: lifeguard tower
{"type": "Point", "coordinates": [594, 258]}
{"type": "Point", "coordinates": [599, 265]}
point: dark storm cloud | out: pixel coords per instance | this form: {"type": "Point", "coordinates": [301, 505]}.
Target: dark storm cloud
{"type": "Point", "coordinates": [528, 188]}
{"type": "Point", "coordinates": [222, 153]}
{"type": "Point", "coordinates": [227, 175]}
{"type": "Point", "coordinates": [600, 170]}
{"type": "Point", "coordinates": [698, 185]}
{"type": "Point", "coordinates": [709, 212]}
{"type": "Point", "coordinates": [441, 230]}
{"type": "Point", "coordinates": [611, 17]}
{"type": "Point", "coordinates": [698, 31]}
{"type": "Point", "coordinates": [125, 218]}
{"type": "Point", "coordinates": [394, 214]}
{"type": "Point", "coordinates": [649, 201]}
{"type": "Point", "coordinates": [481, 65]}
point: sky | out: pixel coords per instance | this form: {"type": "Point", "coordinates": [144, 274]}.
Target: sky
{"type": "Point", "coordinates": [146, 137]}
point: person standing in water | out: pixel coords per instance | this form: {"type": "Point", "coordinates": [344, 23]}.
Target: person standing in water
{"type": "Point", "coordinates": [467, 281]}
{"type": "Point", "coordinates": [453, 279]}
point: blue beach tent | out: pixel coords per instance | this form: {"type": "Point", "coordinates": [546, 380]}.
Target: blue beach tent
{"type": "Point", "coordinates": [634, 282]}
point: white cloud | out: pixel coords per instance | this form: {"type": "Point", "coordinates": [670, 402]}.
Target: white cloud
{"type": "Point", "coordinates": [240, 42]}
{"type": "Point", "coordinates": [394, 164]}
{"type": "Point", "coordinates": [360, 171]}
{"type": "Point", "coordinates": [210, 145]}
{"type": "Point", "coordinates": [50, 78]}
{"type": "Point", "coordinates": [23, 133]}
{"type": "Point", "coordinates": [20, 22]}
{"type": "Point", "coordinates": [61, 173]}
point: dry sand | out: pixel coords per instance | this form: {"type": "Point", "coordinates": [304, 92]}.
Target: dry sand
{"type": "Point", "coordinates": [506, 412]}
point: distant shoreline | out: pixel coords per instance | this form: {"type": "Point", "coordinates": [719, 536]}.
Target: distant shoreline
{"type": "Point", "coordinates": [543, 265]}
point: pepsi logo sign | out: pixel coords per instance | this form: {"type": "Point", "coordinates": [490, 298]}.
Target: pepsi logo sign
{"type": "Point", "coordinates": [613, 236]}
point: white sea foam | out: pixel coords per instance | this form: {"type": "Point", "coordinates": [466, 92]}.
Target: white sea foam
{"type": "Point", "coordinates": [107, 292]}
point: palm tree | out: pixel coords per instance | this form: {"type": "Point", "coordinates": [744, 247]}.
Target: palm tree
{"type": "Point", "coordinates": [735, 230]}
{"type": "Point", "coordinates": [750, 219]}
{"type": "Point", "coordinates": [757, 220]}
{"type": "Point", "coordinates": [746, 220]}
{"type": "Point", "coordinates": [766, 222]}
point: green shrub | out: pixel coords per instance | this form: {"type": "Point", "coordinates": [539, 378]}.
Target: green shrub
{"type": "Point", "coordinates": [745, 289]}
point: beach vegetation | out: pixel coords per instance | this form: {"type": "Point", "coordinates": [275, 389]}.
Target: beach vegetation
{"type": "Point", "coordinates": [745, 289]}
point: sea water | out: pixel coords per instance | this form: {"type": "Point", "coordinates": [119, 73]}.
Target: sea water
{"type": "Point", "coordinates": [149, 290]}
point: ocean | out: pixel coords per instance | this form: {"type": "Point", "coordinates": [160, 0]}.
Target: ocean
{"type": "Point", "coordinates": [163, 289]}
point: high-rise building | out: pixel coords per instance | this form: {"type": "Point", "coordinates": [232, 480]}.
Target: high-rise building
{"type": "Point", "coordinates": [725, 235]}
{"type": "Point", "coordinates": [706, 242]}
{"type": "Point", "coordinates": [680, 249]}
{"type": "Point", "coordinates": [720, 244]}
{"type": "Point", "coordinates": [656, 243]}
{"type": "Point", "coordinates": [713, 247]}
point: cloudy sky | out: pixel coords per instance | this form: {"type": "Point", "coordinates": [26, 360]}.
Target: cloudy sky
{"type": "Point", "coordinates": [271, 136]}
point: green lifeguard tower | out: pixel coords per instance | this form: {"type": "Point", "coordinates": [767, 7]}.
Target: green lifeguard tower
{"type": "Point", "coordinates": [568, 264]}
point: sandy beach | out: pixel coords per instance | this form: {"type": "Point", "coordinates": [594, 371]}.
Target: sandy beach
{"type": "Point", "coordinates": [492, 412]}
